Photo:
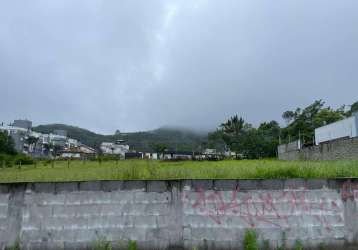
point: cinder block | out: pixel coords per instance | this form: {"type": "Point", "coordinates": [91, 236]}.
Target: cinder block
{"type": "Point", "coordinates": [112, 209]}
{"type": "Point", "coordinates": [4, 199]}
{"type": "Point", "coordinates": [154, 197]}
{"type": "Point", "coordinates": [157, 209]}
{"type": "Point", "coordinates": [88, 211]}
{"type": "Point", "coordinates": [76, 245]}
{"type": "Point", "coordinates": [110, 186]}
{"type": "Point", "coordinates": [134, 185]}
{"type": "Point", "coordinates": [74, 223]}
{"type": "Point", "coordinates": [66, 187]}
{"type": "Point", "coordinates": [84, 235]}
{"type": "Point", "coordinates": [293, 184]}
{"type": "Point", "coordinates": [41, 212]}
{"type": "Point", "coordinates": [202, 184]}
{"type": "Point", "coordinates": [90, 186]}
{"type": "Point", "coordinates": [65, 211]}
{"type": "Point", "coordinates": [4, 189]}
{"type": "Point", "coordinates": [97, 198]}
{"type": "Point", "coordinates": [246, 185]}
{"type": "Point", "coordinates": [272, 184]}
{"type": "Point", "coordinates": [148, 221]}
{"type": "Point", "coordinates": [74, 198]}
{"type": "Point", "coordinates": [56, 224]}
{"type": "Point", "coordinates": [187, 233]}
{"type": "Point", "coordinates": [135, 233]}
{"type": "Point", "coordinates": [44, 187]}
{"type": "Point", "coordinates": [157, 186]}
{"type": "Point", "coordinates": [225, 185]}
{"type": "Point", "coordinates": [122, 197]}
{"type": "Point", "coordinates": [3, 211]}
{"type": "Point", "coordinates": [157, 235]}
{"type": "Point", "coordinates": [164, 221]}
{"type": "Point", "coordinates": [316, 183]}
{"type": "Point", "coordinates": [50, 199]}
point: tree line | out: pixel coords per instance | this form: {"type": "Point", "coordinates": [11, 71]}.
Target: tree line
{"type": "Point", "coordinates": [261, 142]}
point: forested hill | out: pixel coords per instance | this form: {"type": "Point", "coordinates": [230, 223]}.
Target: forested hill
{"type": "Point", "coordinates": [179, 139]}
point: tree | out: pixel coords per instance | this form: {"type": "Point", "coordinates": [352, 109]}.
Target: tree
{"type": "Point", "coordinates": [244, 139]}
{"type": "Point", "coordinates": [353, 109]}
{"type": "Point", "coordinates": [7, 145]}
{"type": "Point", "coordinates": [160, 147]}
{"type": "Point", "coordinates": [233, 126]}
{"type": "Point", "coordinates": [305, 121]}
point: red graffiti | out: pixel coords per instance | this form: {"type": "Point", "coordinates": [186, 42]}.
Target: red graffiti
{"type": "Point", "coordinates": [349, 191]}
{"type": "Point", "coordinates": [264, 207]}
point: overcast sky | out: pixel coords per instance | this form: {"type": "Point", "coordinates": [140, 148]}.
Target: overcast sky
{"type": "Point", "coordinates": [138, 65]}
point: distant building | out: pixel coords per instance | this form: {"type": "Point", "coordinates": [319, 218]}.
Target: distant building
{"type": "Point", "coordinates": [347, 128]}
{"type": "Point", "coordinates": [133, 155]}
{"type": "Point", "coordinates": [177, 155]}
{"type": "Point", "coordinates": [60, 132]}
{"type": "Point", "coordinates": [81, 152]}
{"type": "Point", "coordinates": [114, 148]}
{"type": "Point", "coordinates": [151, 156]}
{"type": "Point", "coordinates": [26, 124]}
{"type": "Point", "coordinates": [38, 144]}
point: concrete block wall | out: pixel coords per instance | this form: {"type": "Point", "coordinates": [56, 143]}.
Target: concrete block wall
{"type": "Point", "coordinates": [205, 214]}
{"type": "Point", "coordinates": [344, 149]}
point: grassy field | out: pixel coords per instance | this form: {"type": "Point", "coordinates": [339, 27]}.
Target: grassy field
{"type": "Point", "coordinates": [142, 169]}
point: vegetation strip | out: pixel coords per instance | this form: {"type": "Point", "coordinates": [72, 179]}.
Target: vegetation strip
{"type": "Point", "coordinates": [58, 171]}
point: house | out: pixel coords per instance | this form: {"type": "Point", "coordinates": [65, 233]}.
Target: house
{"type": "Point", "coordinates": [81, 152]}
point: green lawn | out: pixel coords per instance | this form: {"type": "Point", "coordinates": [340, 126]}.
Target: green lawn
{"type": "Point", "coordinates": [142, 169]}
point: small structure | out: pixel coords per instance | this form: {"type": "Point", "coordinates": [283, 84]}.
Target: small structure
{"type": "Point", "coordinates": [150, 156]}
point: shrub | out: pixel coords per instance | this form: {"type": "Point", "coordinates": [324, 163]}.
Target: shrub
{"type": "Point", "coordinates": [250, 240]}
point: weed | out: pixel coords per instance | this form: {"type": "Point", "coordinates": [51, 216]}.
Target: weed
{"type": "Point", "coordinates": [250, 240]}
{"type": "Point", "coordinates": [102, 244]}
{"type": "Point", "coordinates": [132, 245]}
{"type": "Point", "coordinates": [298, 245]}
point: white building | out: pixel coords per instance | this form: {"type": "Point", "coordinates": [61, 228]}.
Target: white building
{"type": "Point", "coordinates": [347, 128]}
{"type": "Point", "coordinates": [112, 148]}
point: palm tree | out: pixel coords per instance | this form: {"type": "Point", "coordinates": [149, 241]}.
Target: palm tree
{"type": "Point", "coordinates": [234, 125]}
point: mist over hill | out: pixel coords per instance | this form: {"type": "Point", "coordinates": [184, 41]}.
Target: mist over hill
{"type": "Point", "coordinates": [175, 138]}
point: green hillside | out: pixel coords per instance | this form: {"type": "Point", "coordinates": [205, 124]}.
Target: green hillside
{"type": "Point", "coordinates": [178, 139]}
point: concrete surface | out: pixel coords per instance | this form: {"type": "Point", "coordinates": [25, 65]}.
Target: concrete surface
{"type": "Point", "coordinates": [205, 214]}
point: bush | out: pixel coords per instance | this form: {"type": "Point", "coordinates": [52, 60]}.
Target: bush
{"type": "Point", "coordinates": [23, 159]}
{"type": "Point", "coordinates": [250, 240]}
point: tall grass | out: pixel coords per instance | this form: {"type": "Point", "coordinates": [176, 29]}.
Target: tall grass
{"type": "Point", "coordinates": [151, 170]}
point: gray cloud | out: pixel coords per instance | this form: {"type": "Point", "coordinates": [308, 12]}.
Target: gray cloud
{"type": "Point", "coordinates": [137, 65]}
